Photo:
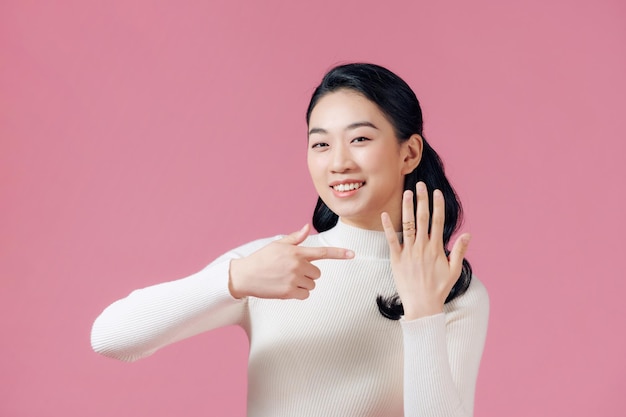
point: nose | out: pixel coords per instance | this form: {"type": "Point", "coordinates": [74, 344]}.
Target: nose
{"type": "Point", "coordinates": [341, 159]}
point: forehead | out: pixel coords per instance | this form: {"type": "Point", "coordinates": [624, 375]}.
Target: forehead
{"type": "Point", "coordinates": [344, 107]}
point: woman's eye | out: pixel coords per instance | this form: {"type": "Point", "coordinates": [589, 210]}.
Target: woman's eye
{"type": "Point", "coordinates": [319, 145]}
{"type": "Point", "coordinates": [360, 139]}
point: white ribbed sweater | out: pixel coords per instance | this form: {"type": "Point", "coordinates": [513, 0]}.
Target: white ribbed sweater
{"type": "Point", "coordinates": [330, 355]}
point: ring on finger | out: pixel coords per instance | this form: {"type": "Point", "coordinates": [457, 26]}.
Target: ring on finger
{"type": "Point", "coordinates": [408, 226]}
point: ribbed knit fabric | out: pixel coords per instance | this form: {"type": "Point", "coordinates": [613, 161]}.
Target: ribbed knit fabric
{"type": "Point", "coordinates": [333, 354]}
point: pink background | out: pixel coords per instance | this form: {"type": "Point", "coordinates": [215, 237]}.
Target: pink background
{"type": "Point", "coordinates": [140, 140]}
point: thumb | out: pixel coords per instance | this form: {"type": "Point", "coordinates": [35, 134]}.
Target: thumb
{"type": "Point", "coordinates": [458, 253]}
{"type": "Point", "coordinates": [296, 238]}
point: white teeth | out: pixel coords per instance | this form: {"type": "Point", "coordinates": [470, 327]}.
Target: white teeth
{"type": "Point", "coordinates": [347, 187]}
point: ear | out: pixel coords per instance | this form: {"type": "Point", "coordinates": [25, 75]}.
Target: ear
{"type": "Point", "coordinates": [412, 149]}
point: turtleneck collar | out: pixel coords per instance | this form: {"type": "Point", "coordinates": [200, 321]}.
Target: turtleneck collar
{"type": "Point", "coordinates": [365, 243]}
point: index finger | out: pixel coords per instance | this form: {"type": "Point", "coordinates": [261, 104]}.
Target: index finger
{"type": "Point", "coordinates": [325, 252]}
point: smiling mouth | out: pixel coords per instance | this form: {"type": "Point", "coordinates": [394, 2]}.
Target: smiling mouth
{"type": "Point", "coordinates": [348, 187]}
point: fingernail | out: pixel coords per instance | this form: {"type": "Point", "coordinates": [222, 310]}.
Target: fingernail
{"type": "Point", "coordinates": [467, 238]}
{"type": "Point", "coordinates": [421, 186]}
{"type": "Point", "coordinates": [349, 254]}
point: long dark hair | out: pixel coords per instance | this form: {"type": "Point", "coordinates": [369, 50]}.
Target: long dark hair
{"type": "Point", "coordinates": [398, 102]}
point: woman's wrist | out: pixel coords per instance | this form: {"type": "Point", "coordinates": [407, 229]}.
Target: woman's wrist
{"type": "Point", "coordinates": [418, 311]}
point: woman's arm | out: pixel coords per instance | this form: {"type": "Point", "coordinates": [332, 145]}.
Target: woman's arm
{"type": "Point", "coordinates": [443, 343]}
{"type": "Point", "coordinates": [156, 316]}
{"type": "Point", "coordinates": [442, 355]}
{"type": "Point", "coordinates": [150, 318]}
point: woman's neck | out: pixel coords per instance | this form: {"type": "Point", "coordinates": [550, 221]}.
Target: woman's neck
{"type": "Point", "coordinates": [364, 242]}
{"type": "Point", "coordinates": [371, 223]}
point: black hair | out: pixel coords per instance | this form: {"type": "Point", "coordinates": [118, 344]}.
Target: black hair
{"type": "Point", "coordinates": [399, 104]}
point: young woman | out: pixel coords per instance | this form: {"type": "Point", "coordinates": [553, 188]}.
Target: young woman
{"type": "Point", "coordinates": [373, 316]}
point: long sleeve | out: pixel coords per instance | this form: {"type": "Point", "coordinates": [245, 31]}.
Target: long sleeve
{"type": "Point", "coordinates": [442, 355]}
{"type": "Point", "coordinates": [150, 318]}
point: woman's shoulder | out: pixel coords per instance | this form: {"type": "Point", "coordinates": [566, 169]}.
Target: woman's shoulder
{"type": "Point", "coordinates": [476, 297]}
{"type": "Point", "coordinates": [477, 289]}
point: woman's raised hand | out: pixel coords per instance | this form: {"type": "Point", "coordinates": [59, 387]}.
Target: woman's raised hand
{"type": "Point", "coordinates": [423, 274]}
{"type": "Point", "coordinates": [281, 269]}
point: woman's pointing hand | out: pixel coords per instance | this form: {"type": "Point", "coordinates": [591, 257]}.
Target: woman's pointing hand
{"type": "Point", "coordinates": [281, 269]}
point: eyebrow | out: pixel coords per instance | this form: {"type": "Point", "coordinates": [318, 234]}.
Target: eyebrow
{"type": "Point", "coordinates": [349, 127]}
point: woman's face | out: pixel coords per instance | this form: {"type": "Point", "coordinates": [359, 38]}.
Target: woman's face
{"type": "Point", "coordinates": [355, 160]}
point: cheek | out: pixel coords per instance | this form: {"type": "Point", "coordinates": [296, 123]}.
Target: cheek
{"type": "Point", "coordinates": [378, 162]}
{"type": "Point", "coordinates": [315, 168]}
{"type": "Point", "coordinates": [386, 167]}
{"type": "Point", "coordinates": [310, 164]}
{"type": "Point", "coordinates": [315, 165]}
